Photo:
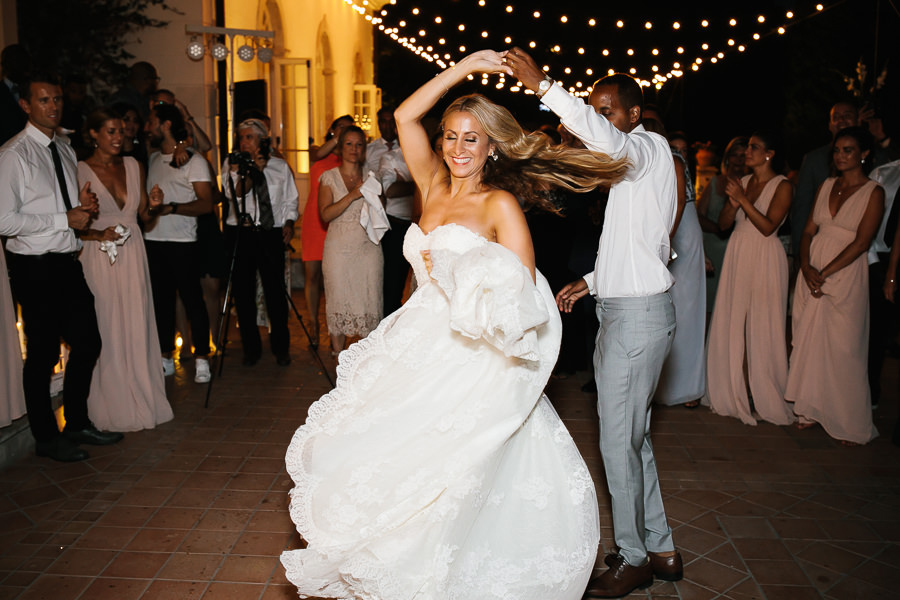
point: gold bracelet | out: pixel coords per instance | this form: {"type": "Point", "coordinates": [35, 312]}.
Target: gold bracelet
{"type": "Point", "coordinates": [446, 89]}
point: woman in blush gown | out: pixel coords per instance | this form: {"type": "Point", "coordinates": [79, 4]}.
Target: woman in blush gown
{"type": "Point", "coordinates": [128, 389]}
{"type": "Point", "coordinates": [12, 395]}
{"type": "Point", "coordinates": [828, 381]}
{"type": "Point", "coordinates": [437, 468]}
{"type": "Point", "coordinates": [748, 321]}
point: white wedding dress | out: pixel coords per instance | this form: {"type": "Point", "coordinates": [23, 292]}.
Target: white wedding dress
{"type": "Point", "coordinates": [437, 469]}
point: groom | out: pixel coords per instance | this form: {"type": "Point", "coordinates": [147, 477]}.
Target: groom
{"type": "Point", "coordinates": [637, 318]}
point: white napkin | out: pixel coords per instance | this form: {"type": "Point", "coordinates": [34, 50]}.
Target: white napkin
{"type": "Point", "coordinates": [110, 247]}
{"type": "Point", "coordinates": [373, 218]}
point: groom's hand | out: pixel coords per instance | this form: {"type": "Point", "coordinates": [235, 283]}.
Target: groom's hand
{"type": "Point", "coordinates": [567, 296]}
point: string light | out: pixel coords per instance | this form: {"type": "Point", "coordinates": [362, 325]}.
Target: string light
{"type": "Point", "coordinates": [738, 40]}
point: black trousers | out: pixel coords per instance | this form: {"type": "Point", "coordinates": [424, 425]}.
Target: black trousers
{"type": "Point", "coordinates": [396, 268]}
{"type": "Point", "coordinates": [882, 323]}
{"type": "Point", "coordinates": [56, 303]}
{"type": "Point", "coordinates": [261, 251]}
{"type": "Point", "coordinates": [174, 268]}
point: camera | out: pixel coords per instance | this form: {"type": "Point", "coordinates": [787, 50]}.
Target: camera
{"type": "Point", "coordinates": [242, 160]}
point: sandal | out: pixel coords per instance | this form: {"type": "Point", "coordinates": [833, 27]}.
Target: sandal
{"type": "Point", "coordinates": [692, 403]}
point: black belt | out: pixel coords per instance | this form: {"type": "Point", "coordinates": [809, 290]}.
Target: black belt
{"type": "Point", "coordinates": [47, 257]}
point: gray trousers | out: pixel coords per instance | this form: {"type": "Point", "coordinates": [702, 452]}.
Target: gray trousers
{"type": "Point", "coordinates": [634, 338]}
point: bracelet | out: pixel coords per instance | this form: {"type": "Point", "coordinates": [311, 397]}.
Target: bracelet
{"type": "Point", "coordinates": [446, 89]}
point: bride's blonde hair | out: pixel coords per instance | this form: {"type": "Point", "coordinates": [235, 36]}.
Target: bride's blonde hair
{"type": "Point", "coordinates": [528, 165]}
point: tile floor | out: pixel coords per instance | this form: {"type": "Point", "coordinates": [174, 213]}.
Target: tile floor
{"type": "Point", "coordinates": [197, 507]}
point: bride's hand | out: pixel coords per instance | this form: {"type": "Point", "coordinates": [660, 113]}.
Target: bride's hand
{"type": "Point", "coordinates": [487, 61]}
{"type": "Point", "coordinates": [426, 258]}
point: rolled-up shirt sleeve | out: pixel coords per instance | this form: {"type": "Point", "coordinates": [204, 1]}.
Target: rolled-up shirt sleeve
{"type": "Point", "coordinates": [14, 222]}
{"type": "Point", "coordinates": [290, 197]}
{"type": "Point", "coordinates": [597, 133]}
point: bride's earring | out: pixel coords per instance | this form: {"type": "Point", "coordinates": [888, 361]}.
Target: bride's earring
{"type": "Point", "coordinates": [494, 154]}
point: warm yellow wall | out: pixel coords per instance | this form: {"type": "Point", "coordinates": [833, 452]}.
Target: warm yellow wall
{"type": "Point", "coordinates": [302, 21]}
{"type": "Point", "coordinates": [194, 82]}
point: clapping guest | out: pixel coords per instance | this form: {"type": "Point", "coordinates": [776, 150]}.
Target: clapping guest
{"type": "Point", "coordinates": [261, 200]}
{"type": "Point", "coordinates": [128, 391]}
{"type": "Point", "coordinates": [171, 237]}
{"type": "Point", "coordinates": [353, 266]}
{"type": "Point", "coordinates": [828, 382]}
{"type": "Point", "coordinates": [40, 212]}
{"type": "Point", "coordinates": [748, 321]}
{"type": "Point", "coordinates": [312, 229]}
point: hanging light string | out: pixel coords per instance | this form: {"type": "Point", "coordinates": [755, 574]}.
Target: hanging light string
{"type": "Point", "coordinates": [439, 41]}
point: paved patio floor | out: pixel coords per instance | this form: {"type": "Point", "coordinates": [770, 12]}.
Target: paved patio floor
{"type": "Point", "coordinates": [197, 507]}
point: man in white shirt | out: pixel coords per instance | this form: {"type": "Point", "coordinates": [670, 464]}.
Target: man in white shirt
{"type": "Point", "coordinates": [385, 159]}
{"type": "Point", "coordinates": [41, 209]}
{"type": "Point", "coordinates": [171, 238]}
{"type": "Point", "coordinates": [260, 188]}
{"type": "Point", "coordinates": [630, 282]}
{"type": "Point", "coordinates": [882, 314]}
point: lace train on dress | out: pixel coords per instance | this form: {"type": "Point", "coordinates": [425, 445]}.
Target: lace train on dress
{"type": "Point", "coordinates": [437, 468]}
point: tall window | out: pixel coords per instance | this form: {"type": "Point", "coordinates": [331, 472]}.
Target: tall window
{"type": "Point", "coordinates": [366, 100]}
{"type": "Point", "coordinates": [293, 106]}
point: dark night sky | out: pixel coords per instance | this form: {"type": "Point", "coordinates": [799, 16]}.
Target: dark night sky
{"type": "Point", "coordinates": [783, 82]}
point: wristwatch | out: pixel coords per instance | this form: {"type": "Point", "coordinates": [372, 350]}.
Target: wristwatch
{"type": "Point", "coordinates": [174, 207]}
{"type": "Point", "coordinates": [545, 84]}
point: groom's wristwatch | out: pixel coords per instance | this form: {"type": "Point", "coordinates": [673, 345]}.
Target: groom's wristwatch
{"type": "Point", "coordinates": [544, 86]}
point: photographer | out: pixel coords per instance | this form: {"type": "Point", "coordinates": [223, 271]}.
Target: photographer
{"type": "Point", "coordinates": [261, 207]}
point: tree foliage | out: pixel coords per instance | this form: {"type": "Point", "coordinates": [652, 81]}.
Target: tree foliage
{"type": "Point", "coordinates": [85, 37]}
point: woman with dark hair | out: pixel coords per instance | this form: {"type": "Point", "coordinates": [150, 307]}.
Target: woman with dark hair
{"type": "Point", "coordinates": [133, 143]}
{"type": "Point", "coordinates": [415, 476]}
{"type": "Point", "coordinates": [128, 390]}
{"type": "Point", "coordinates": [828, 381]}
{"type": "Point", "coordinates": [261, 206]}
{"type": "Point", "coordinates": [352, 264]}
{"type": "Point", "coordinates": [748, 322]}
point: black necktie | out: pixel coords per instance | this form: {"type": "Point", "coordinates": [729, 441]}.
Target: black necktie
{"type": "Point", "coordinates": [60, 175]}
{"type": "Point", "coordinates": [891, 228]}
{"type": "Point", "coordinates": [263, 201]}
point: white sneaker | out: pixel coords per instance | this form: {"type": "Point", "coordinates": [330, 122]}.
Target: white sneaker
{"type": "Point", "coordinates": [168, 366]}
{"type": "Point", "coordinates": [201, 365]}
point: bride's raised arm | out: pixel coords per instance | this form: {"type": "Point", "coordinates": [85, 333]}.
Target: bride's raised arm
{"type": "Point", "coordinates": [422, 162]}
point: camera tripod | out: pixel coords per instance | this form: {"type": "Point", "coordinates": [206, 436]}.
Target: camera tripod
{"type": "Point", "coordinates": [245, 222]}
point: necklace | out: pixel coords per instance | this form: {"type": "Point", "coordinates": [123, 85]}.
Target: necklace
{"type": "Point", "coordinates": [841, 191]}
{"type": "Point", "coordinates": [351, 178]}
{"type": "Point", "coordinates": [100, 163]}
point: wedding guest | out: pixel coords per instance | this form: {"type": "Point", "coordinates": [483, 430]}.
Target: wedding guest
{"type": "Point", "coordinates": [748, 322]}
{"type": "Point", "coordinates": [827, 381]}
{"type": "Point", "coordinates": [41, 212]}
{"type": "Point", "coordinates": [128, 391]}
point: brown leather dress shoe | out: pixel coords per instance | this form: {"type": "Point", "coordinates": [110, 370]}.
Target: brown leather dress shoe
{"type": "Point", "coordinates": [620, 580]}
{"type": "Point", "coordinates": [667, 568]}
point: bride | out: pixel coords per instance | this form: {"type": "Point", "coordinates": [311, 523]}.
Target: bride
{"type": "Point", "coordinates": [437, 468]}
